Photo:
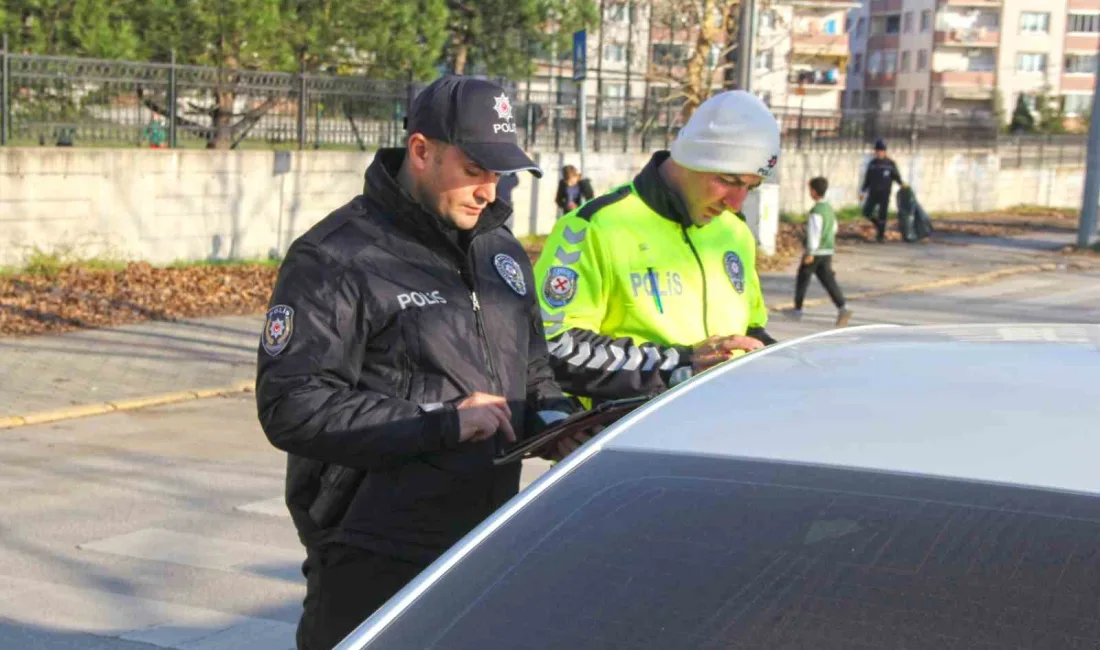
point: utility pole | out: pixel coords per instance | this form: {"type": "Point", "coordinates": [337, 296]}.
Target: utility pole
{"type": "Point", "coordinates": [746, 37]}
{"type": "Point", "coordinates": [1087, 226]}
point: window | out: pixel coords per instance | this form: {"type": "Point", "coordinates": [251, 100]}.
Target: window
{"type": "Point", "coordinates": [616, 13]}
{"type": "Point", "coordinates": [767, 19]}
{"type": "Point", "coordinates": [922, 60]}
{"type": "Point", "coordinates": [874, 62]}
{"type": "Point", "coordinates": [856, 99]}
{"type": "Point", "coordinates": [1032, 21]}
{"type": "Point", "coordinates": [903, 100]}
{"type": "Point", "coordinates": [893, 24]}
{"type": "Point", "coordinates": [830, 26]}
{"type": "Point", "coordinates": [857, 63]}
{"type": "Point", "coordinates": [890, 61]}
{"type": "Point", "coordinates": [1077, 104]}
{"type": "Point", "coordinates": [905, 61]}
{"type": "Point", "coordinates": [714, 54]}
{"type": "Point", "coordinates": [907, 23]}
{"type": "Point", "coordinates": [918, 100]}
{"type": "Point", "coordinates": [1084, 23]}
{"type": "Point", "coordinates": [668, 54]}
{"type": "Point", "coordinates": [614, 91]}
{"type": "Point", "coordinates": [859, 27]}
{"type": "Point", "coordinates": [925, 20]}
{"type": "Point", "coordinates": [1081, 63]}
{"type": "Point", "coordinates": [723, 553]}
{"type": "Point", "coordinates": [765, 61]}
{"type": "Point", "coordinates": [981, 60]}
{"type": "Point", "coordinates": [614, 52]}
{"type": "Point", "coordinates": [1031, 62]}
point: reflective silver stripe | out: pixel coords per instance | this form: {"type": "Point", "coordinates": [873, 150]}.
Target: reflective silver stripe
{"type": "Point", "coordinates": [652, 359]}
{"type": "Point", "coordinates": [551, 317]}
{"type": "Point", "coordinates": [599, 358]}
{"type": "Point", "coordinates": [574, 236]}
{"type": "Point", "coordinates": [583, 352]}
{"type": "Point", "coordinates": [618, 358]}
{"type": "Point", "coordinates": [672, 359]}
{"type": "Point", "coordinates": [680, 375]}
{"type": "Point", "coordinates": [567, 258]}
{"type": "Point", "coordinates": [634, 360]}
{"type": "Point", "coordinates": [554, 329]}
{"type": "Point", "coordinates": [563, 347]}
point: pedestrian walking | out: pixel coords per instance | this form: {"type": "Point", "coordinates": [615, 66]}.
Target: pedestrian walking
{"type": "Point", "coordinates": [878, 183]}
{"type": "Point", "coordinates": [817, 256]}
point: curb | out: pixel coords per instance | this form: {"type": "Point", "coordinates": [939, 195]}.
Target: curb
{"type": "Point", "coordinates": [118, 406]}
{"type": "Point", "coordinates": [934, 284]}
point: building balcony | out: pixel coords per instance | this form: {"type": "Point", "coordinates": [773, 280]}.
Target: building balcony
{"type": "Point", "coordinates": [1078, 82]}
{"type": "Point", "coordinates": [819, 44]}
{"type": "Point", "coordinates": [1084, 5]}
{"type": "Point", "coordinates": [883, 42]}
{"type": "Point", "coordinates": [886, 6]}
{"type": "Point", "coordinates": [964, 78]}
{"type": "Point", "coordinates": [968, 37]}
{"type": "Point", "coordinates": [1082, 42]}
{"type": "Point", "coordinates": [881, 80]}
{"type": "Point", "coordinates": [994, 4]}
{"type": "Point", "coordinates": [826, 4]}
{"type": "Point", "coordinates": [817, 80]}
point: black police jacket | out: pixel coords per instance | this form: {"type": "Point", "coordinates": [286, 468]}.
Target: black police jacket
{"type": "Point", "coordinates": [881, 176]}
{"type": "Point", "coordinates": [378, 323]}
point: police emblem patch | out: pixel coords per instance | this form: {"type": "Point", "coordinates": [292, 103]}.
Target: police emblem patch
{"type": "Point", "coordinates": [735, 270]}
{"type": "Point", "coordinates": [560, 286]}
{"type": "Point", "coordinates": [278, 326]}
{"type": "Point", "coordinates": [509, 269]}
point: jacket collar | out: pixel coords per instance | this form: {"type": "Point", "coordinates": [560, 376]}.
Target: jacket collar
{"type": "Point", "coordinates": [659, 195]}
{"type": "Point", "coordinates": [407, 214]}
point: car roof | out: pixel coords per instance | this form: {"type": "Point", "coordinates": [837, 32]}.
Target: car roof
{"type": "Point", "coordinates": [1014, 404]}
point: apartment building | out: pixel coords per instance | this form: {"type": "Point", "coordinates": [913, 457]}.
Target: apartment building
{"type": "Point", "coordinates": [966, 56]}
{"type": "Point", "coordinates": [800, 58]}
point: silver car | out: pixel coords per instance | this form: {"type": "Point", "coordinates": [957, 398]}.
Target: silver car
{"type": "Point", "coordinates": [878, 487]}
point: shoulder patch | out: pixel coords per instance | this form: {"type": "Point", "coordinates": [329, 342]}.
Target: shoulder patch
{"type": "Point", "coordinates": [278, 327]}
{"type": "Point", "coordinates": [511, 273]}
{"type": "Point", "coordinates": [735, 270]}
{"type": "Point", "coordinates": [560, 286]}
{"type": "Point", "coordinates": [588, 210]}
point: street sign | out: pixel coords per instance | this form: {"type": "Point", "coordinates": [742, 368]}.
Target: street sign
{"type": "Point", "coordinates": [580, 55]}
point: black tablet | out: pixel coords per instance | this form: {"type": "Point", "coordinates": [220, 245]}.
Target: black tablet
{"type": "Point", "coordinates": [602, 414]}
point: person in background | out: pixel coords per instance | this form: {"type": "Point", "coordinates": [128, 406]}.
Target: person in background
{"type": "Point", "coordinates": [878, 182]}
{"type": "Point", "coordinates": [817, 258]}
{"type": "Point", "coordinates": [573, 190]}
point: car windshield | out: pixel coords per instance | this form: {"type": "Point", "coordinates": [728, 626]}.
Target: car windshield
{"type": "Point", "coordinates": [639, 550]}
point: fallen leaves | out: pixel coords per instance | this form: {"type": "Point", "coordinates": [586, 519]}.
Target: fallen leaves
{"type": "Point", "coordinates": [77, 298]}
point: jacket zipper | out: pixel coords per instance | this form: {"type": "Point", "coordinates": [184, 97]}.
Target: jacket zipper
{"type": "Point", "coordinates": [482, 337]}
{"type": "Point", "coordinates": [703, 273]}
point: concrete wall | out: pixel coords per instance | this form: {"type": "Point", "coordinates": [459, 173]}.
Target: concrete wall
{"type": "Point", "coordinates": [164, 206]}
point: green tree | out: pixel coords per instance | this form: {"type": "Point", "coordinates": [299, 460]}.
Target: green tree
{"type": "Point", "coordinates": [1051, 117]}
{"type": "Point", "coordinates": [89, 28]}
{"type": "Point", "coordinates": [497, 37]}
{"type": "Point", "coordinates": [1022, 119]}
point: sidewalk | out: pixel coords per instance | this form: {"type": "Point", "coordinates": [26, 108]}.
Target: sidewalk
{"type": "Point", "coordinates": [103, 366]}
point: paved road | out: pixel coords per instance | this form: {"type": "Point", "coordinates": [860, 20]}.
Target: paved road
{"type": "Point", "coordinates": [50, 372]}
{"type": "Point", "coordinates": [164, 528]}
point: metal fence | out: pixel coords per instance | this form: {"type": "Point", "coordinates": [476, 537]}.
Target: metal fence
{"type": "Point", "coordinates": [58, 101]}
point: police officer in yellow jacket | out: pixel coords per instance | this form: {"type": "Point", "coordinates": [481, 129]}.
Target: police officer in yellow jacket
{"type": "Point", "coordinates": [655, 281]}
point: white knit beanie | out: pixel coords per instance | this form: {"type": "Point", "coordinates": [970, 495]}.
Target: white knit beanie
{"type": "Point", "coordinates": [730, 133]}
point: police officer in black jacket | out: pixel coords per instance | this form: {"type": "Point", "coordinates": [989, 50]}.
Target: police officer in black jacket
{"type": "Point", "coordinates": [878, 182]}
{"type": "Point", "coordinates": [402, 350]}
